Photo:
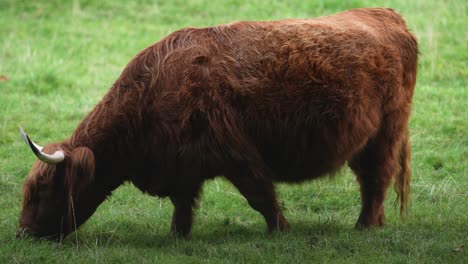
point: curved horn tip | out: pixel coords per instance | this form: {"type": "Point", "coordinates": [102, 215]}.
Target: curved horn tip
{"type": "Point", "coordinates": [55, 158]}
{"type": "Point", "coordinates": [23, 134]}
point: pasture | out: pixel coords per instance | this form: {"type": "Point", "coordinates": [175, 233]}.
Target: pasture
{"type": "Point", "coordinates": [58, 58]}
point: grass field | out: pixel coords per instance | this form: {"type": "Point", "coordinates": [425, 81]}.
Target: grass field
{"type": "Point", "coordinates": [58, 58]}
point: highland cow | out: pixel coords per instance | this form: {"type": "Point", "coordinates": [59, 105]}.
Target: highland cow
{"type": "Point", "coordinates": [255, 102]}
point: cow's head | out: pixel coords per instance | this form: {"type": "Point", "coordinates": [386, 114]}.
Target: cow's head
{"type": "Point", "coordinates": [53, 190]}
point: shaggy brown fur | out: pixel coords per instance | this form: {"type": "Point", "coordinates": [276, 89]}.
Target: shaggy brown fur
{"type": "Point", "coordinates": [257, 102]}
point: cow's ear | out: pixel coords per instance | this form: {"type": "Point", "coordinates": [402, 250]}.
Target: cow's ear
{"type": "Point", "coordinates": [80, 171]}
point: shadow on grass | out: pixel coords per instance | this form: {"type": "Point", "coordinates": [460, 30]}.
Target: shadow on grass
{"type": "Point", "coordinates": [207, 234]}
{"type": "Point", "coordinates": [244, 242]}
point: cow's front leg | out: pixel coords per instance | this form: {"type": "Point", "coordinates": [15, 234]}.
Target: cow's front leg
{"type": "Point", "coordinates": [260, 195]}
{"type": "Point", "coordinates": [182, 218]}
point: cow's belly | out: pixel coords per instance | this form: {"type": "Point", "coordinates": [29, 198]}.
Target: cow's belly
{"type": "Point", "coordinates": [306, 168]}
{"type": "Point", "coordinates": [309, 155]}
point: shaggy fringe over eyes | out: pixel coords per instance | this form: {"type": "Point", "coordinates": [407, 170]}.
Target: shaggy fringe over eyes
{"type": "Point", "coordinates": [39, 172]}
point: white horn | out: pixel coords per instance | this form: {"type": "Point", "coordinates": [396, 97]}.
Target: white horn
{"type": "Point", "coordinates": [55, 158]}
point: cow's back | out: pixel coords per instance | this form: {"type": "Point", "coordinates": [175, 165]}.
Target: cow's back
{"type": "Point", "coordinates": [307, 94]}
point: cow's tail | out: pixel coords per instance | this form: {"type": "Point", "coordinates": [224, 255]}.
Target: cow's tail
{"type": "Point", "coordinates": [403, 178]}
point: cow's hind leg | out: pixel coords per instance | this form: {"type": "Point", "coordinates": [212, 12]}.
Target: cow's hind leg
{"type": "Point", "coordinates": [375, 166]}
{"type": "Point", "coordinates": [260, 195]}
{"type": "Point", "coordinates": [184, 201]}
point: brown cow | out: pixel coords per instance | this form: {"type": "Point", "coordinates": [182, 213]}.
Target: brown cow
{"type": "Point", "coordinates": [257, 102]}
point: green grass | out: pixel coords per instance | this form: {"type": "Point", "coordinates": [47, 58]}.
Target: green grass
{"type": "Point", "coordinates": [60, 58]}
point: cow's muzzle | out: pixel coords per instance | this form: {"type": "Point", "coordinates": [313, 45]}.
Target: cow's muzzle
{"type": "Point", "coordinates": [24, 232]}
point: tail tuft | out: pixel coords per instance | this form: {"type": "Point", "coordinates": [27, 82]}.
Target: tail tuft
{"type": "Point", "coordinates": [403, 178]}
